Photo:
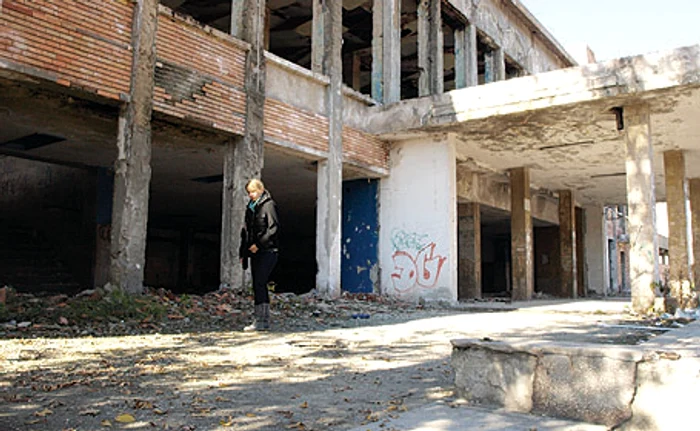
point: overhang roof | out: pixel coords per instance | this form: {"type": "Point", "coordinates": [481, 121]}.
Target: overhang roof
{"type": "Point", "coordinates": [562, 123]}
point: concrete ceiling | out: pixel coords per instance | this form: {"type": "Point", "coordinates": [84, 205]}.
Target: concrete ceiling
{"type": "Point", "coordinates": [562, 125]}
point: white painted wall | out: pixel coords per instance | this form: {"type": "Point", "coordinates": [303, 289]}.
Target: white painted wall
{"type": "Point", "coordinates": [418, 221]}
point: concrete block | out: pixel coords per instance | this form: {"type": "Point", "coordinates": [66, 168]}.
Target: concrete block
{"type": "Point", "coordinates": [489, 376]}
{"type": "Point", "coordinates": [595, 389]}
{"type": "Point", "coordinates": [668, 389]}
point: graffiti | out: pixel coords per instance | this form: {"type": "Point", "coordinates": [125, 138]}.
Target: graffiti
{"type": "Point", "coordinates": [415, 261]}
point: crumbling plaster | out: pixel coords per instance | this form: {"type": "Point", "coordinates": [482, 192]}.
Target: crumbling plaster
{"type": "Point", "coordinates": [521, 40]}
{"type": "Point", "coordinates": [560, 123]}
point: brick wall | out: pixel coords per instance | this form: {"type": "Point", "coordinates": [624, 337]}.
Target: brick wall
{"type": "Point", "coordinates": [77, 43]}
{"type": "Point", "coordinates": [289, 124]}
{"type": "Point", "coordinates": [364, 148]}
{"type": "Point", "coordinates": [199, 74]}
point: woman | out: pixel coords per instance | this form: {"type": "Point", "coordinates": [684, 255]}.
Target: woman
{"type": "Point", "coordinates": [259, 241]}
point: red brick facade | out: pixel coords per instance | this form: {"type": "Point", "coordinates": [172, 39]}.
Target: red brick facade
{"type": "Point", "coordinates": [199, 74]}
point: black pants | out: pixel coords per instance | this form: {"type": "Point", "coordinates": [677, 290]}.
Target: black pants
{"type": "Point", "coordinates": [261, 264]}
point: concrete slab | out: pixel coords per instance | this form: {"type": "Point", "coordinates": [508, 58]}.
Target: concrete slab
{"type": "Point", "coordinates": [442, 416]}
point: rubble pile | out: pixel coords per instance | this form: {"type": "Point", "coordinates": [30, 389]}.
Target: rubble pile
{"type": "Point", "coordinates": [109, 311]}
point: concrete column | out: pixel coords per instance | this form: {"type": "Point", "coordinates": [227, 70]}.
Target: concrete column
{"type": "Point", "coordinates": [581, 281]}
{"type": "Point", "coordinates": [466, 61]}
{"type": "Point", "coordinates": [330, 171]}
{"type": "Point", "coordinates": [132, 176]}
{"type": "Point", "coordinates": [386, 51]}
{"type": "Point", "coordinates": [469, 251]}
{"type": "Point", "coordinates": [243, 156]}
{"type": "Point", "coordinates": [522, 251]}
{"type": "Point", "coordinates": [567, 245]}
{"type": "Point", "coordinates": [678, 224]}
{"type": "Point", "coordinates": [641, 201]}
{"type": "Point", "coordinates": [595, 250]}
{"type": "Point", "coordinates": [495, 65]}
{"type": "Point", "coordinates": [430, 51]}
{"type": "Point", "coordinates": [694, 192]}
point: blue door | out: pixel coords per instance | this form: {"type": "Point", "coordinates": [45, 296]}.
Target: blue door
{"type": "Point", "coordinates": [360, 236]}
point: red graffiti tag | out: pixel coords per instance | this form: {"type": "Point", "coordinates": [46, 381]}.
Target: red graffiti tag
{"type": "Point", "coordinates": [423, 271]}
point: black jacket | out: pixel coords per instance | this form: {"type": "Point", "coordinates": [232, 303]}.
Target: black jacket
{"type": "Point", "coordinates": [261, 226]}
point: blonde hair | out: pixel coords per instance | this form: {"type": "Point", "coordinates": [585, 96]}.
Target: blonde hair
{"type": "Point", "coordinates": [255, 184]}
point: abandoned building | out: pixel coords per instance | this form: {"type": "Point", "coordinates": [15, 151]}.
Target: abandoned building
{"type": "Point", "coordinates": [436, 149]}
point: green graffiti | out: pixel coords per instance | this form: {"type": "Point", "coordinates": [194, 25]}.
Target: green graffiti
{"type": "Point", "coordinates": [402, 240]}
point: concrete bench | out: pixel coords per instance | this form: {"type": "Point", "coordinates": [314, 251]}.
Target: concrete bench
{"type": "Point", "coordinates": [650, 386]}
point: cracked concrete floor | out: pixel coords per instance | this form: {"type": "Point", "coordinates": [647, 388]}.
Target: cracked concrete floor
{"type": "Point", "coordinates": [333, 379]}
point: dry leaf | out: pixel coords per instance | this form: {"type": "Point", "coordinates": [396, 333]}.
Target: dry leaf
{"type": "Point", "coordinates": [125, 418]}
{"type": "Point", "coordinates": [298, 425]}
{"type": "Point", "coordinates": [159, 411]}
{"type": "Point", "coordinates": [43, 413]}
{"type": "Point", "coordinates": [304, 405]}
{"type": "Point", "coordinates": [250, 415]}
{"type": "Point", "coordinates": [89, 412]}
{"type": "Point", "coordinates": [226, 422]}
{"type": "Point", "coordinates": [106, 423]}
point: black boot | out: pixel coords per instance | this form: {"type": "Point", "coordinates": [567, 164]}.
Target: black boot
{"type": "Point", "coordinates": [265, 317]}
{"type": "Point", "coordinates": [257, 324]}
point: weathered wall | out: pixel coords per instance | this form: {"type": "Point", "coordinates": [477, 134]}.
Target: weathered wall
{"type": "Point", "coordinates": [418, 219]}
{"type": "Point", "coordinates": [199, 73]}
{"type": "Point", "coordinates": [73, 44]}
{"type": "Point", "coordinates": [499, 22]}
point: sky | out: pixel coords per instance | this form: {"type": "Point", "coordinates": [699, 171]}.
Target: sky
{"type": "Point", "coordinates": [619, 28]}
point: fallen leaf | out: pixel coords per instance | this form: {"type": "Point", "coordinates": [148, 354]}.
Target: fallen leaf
{"type": "Point", "coordinates": [250, 415]}
{"type": "Point", "coordinates": [159, 411]}
{"type": "Point", "coordinates": [304, 405]}
{"type": "Point", "coordinates": [125, 418]}
{"type": "Point", "coordinates": [226, 422]}
{"type": "Point", "coordinates": [43, 413]}
{"type": "Point", "coordinates": [298, 425]}
{"type": "Point", "coordinates": [89, 412]}
{"type": "Point", "coordinates": [106, 423]}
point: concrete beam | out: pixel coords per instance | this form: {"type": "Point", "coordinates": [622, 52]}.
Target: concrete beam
{"type": "Point", "coordinates": [567, 245]}
{"type": "Point", "coordinates": [386, 51]}
{"type": "Point", "coordinates": [595, 249]}
{"type": "Point", "coordinates": [132, 169]}
{"type": "Point", "coordinates": [678, 224]}
{"type": "Point", "coordinates": [466, 58]}
{"type": "Point", "coordinates": [430, 48]}
{"type": "Point", "coordinates": [244, 157]}
{"type": "Point", "coordinates": [522, 247]}
{"type": "Point", "coordinates": [495, 64]}
{"type": "Point", "coordinates": [330, 171]}
{"type": "Point", "coordinates": [469, 251]}
{"type": "Point", "coordinates": [641, 201]}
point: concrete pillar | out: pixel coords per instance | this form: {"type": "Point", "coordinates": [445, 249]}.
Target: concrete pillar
{"type": "Point", "coordinates": [595, 249]}
{"type": "Point", "coordinates": [581, 281]}
{"type": "Point", "coordinates": [694, 192]}
{"type": "Point", "coordinates": [522, 268]}
{"type": "Point", "coordinates": [386, 51]}
{"type": "Point", "coordinates": [132, 176]}
{"type": "Point", "coordinates": [678, 224]}
{"type": "Point", "coordinates": [466, 61]}
{"type": "Point", "coordinates": [495, 66]}
{"type": "Point", "coordinates": [469, 251]}
{"type": "Point", "coordinates": [430, 50]}
{"type": "Point", "coordinates": [567, 245]}
{"type": "Point", "coordinates": [243, 156]}
{"type": "Point", "coordinates": [641, 201]}
{"type": "Point", "coordinates": [330, 171]}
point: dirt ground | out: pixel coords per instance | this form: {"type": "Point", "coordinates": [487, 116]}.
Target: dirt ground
{"type": "Point", "coordinates": [324, 366]}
